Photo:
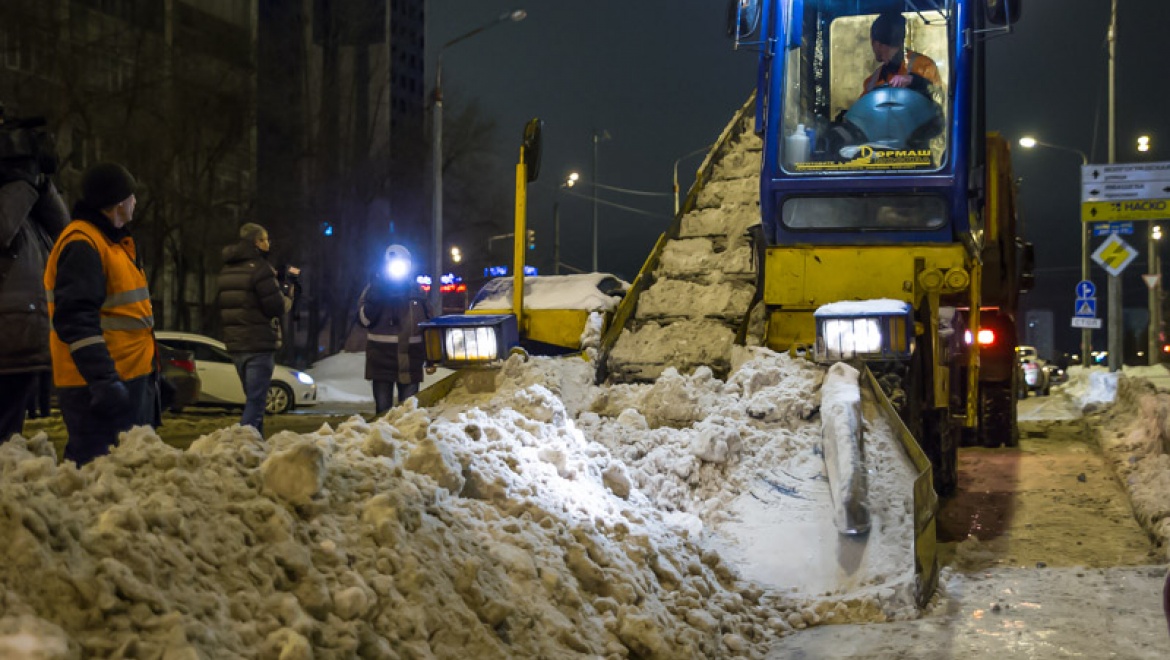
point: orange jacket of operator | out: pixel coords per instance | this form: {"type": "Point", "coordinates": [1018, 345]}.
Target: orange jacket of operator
{"type": "Point", "coordinates": [126, 316]}
{"type": "Point", "coordinates": [915, 63]}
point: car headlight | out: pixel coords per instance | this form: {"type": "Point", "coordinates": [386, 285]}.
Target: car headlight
{"type": "Point", "coordinates": [304, 377]}
{"type": "Point", "coordinates": [865, 329]}
{"type": "Point", "coordinates": [469, 339]}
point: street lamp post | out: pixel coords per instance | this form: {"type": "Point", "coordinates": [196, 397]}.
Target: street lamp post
{"type": "Point", "coordinates": [1086, 333]}
{"type": "Point", "coordinates": [597, 138]}
{"type": "Point", "coordinates": [1155, 299]}
{"type": "Point", "coordinates": [436, 299]}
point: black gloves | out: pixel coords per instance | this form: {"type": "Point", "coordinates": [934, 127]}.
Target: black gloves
{"type": "Point", "coordinates": [109, 398]}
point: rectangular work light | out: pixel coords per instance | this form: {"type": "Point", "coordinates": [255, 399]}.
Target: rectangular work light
{"type": "Point", "coordinates": [864, 329]}
{"type": "Point", "coordinates": [464, 340]}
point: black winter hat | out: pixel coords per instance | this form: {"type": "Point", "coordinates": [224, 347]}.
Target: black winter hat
{"type": "Point", "coordinates": [889, 28]}
{"type": "Point", "coordinates": [106, 184]}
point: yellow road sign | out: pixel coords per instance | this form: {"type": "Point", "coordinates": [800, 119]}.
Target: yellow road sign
{"type": "Point", "coordinates": [1140, 209]}
{"type": "Point", "coordinates": [1114, 254]}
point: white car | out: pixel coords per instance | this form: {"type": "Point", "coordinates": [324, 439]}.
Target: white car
{"type": "Point", "coordinates": [221, 384]}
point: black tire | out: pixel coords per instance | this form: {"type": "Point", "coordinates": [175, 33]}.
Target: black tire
{"type": "Point", "coordinates": [997, 416]}
{"type": "Point", "coordinates": [280, 399]}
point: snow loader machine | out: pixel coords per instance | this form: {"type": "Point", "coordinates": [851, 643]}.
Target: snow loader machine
{"type": "Point", "coordinates": [844, 220]}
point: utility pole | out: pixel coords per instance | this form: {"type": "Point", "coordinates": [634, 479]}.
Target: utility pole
{"type": "Point", "coordinates": [1116, 309]}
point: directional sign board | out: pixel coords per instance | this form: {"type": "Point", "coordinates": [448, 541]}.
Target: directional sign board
{"type": "Point", "coordinates": [1086, 289]}
{"type": "Point", "coordinates": [1115, 254]}
{"type": "Point", "coordinates": [1125, 191]}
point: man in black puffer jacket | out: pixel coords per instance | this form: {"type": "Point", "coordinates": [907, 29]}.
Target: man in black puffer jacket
{"type": "Point", "coordinates": [252, 303]}
{"type": "Point", "coordinates": [32, 215]}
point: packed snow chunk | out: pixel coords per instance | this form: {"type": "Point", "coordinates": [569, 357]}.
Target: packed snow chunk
{"type": "Point", "coordinates": [697, 258]}
{"type": "Point", "coordinates": [295, 474]}
{"type": "Point", "coordinates": [729, 221]}
{"type": "Point", "coordinates": [841, 442]}
{"type": "Point", "coordinates": [717, 441]}
{"type": "Point", "coordinates": [674, 298]}
{"type": "Point", "coordinates": [436, 460]}
{"type": "Point", "coordinates": [685, 345]}
{"type": "Point", "coordinates": [32, 638]}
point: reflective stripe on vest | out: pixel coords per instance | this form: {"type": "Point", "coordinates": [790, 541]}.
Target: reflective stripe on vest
{"type": "Point", "coordinates": [391, 339]}
{"type": "Point", "coordinates": [126, 316]}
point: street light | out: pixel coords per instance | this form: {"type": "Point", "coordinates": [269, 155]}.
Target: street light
{"type": "Point", "coordinates": [1029, 142]}
{"type": "Point", "coordinates": [569, 182]}
{"type": "Point", "coordinates": [437, 154]}
{"type": "Point", "coordinates": [1143, 143]}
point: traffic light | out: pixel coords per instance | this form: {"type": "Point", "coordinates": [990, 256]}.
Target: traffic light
{"type": "Point", "coordinates": [531, 239]}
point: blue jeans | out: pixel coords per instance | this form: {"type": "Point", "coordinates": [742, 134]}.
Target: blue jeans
{"type": "Point", "coordinates": [255, 370]}
{"type": "Point", "coordinates": [384, 394]}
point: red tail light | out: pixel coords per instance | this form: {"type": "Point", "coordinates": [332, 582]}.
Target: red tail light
{"type": "Point", "coordinates": [986, 337]}
{"type": "Point", "coordinates": [185, 365]}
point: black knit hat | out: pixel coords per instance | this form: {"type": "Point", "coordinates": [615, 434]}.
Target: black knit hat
{"type": "Point", "coordinates": [106, 184]}
{"type": "Point", "coordinates": [889, 28]}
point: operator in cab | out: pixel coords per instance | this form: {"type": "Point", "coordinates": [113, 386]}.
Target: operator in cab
{"type": "Point", "coordinates": [899, 67]}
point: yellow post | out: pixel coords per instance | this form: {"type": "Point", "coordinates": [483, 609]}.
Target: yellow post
{"type": "Point", "coordinates": [518, 242]}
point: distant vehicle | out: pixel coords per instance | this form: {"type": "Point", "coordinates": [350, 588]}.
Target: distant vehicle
{"type": "Point", "coordinates": [180, 381]}
{"type": "Point", "coordinates": [221, 384]}
{"type": "Point", "coordinates": [1036, 372]}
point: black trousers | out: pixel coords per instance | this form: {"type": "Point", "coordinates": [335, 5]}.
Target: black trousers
{"type": "Point", "coordinates": [384, 394]}
{"type": "Point", "coordinates": [92, 433]}
{"type": "Point", "coordinates": [15, 392]}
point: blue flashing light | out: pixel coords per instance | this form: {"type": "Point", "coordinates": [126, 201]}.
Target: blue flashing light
{"type": "Point", "coordinates": [327, 228]}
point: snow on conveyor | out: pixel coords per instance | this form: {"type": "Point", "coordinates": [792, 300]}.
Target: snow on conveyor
{"type": "Point", "coordinates": [549, 519]}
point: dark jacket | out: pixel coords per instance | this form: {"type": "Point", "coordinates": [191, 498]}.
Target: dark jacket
{"type": "Point", "coordinates": [251, 300]}
{"type": "Point", "coordinates": [394, 343]}
{"type": "Point", "coordinates": [30, 220]}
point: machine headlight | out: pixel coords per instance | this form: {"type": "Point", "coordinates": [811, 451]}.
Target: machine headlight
{"type": "Point", "coordinates": [471, 344]}
{"type": "Point", "coordinates": [865, 329]}
{"type": "Point", "coordinates": [469, 339]}
{"type": "Point", "coordinates": [304, 377]}
{"type": "Point", "coordinates": [848, 338]}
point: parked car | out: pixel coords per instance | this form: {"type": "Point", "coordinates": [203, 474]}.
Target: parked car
{"type": "Point", "coordinates": [180, 383]}
{"type": "Point", "coordinates": [1036, 372]}
{"type": "Point", "coordinates": [221, 384]}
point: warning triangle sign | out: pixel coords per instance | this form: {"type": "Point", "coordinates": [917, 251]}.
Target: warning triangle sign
{"type": "Point", "coordinates": [1151, 280]}
{"type": "Point", "coordinates": [1085, 309]}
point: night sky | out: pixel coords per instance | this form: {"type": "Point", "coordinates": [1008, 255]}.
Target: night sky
{"type": "Point", "coordinates": [663, 80]}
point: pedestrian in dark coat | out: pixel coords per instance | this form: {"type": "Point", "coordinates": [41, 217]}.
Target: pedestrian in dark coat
{"type": "Point", "coordinates": [252, 304]}
{"type": "Point", "coordinates": [391, 308]}
{"type": "Point", "coordinates": [32, 215]}
{"type": "Point", "coordinates": [102, 334]}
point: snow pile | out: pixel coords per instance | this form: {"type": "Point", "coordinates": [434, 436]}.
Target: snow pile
{"type": "Point", "coordinates": [341, 378]}
{"type": "Point", "coordinates": [741, 462]}
{"type": "Point", "coordinates": [491, 533]}
{"type": "Point", "coordinates": [1091, 388]}
{"type": "Point", "coordinates": [583, 291]}
{"type": "Point", "coordinates": [1135, 436]}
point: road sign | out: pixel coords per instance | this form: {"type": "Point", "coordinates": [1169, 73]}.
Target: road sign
{"type": "Point", "coordinates": [1085, 322]}
{"type": "Point", "coordinates": [1141, 209]}
{"type": "Point", "coordinates": [1086, 289]}
{"type": "Point", "coordinates": [1086, 307]}
{"type": "Point", "coordinates": [1125, 173]}
{"type": "Point", "coordinates": [1125, 191]}
{"type": "Point", "coordinates": [1107, 228]}
{"type": "Point", "coordinates": [1116, 192]}
{"type": "Point", "coordinates": [1114, 255]}
{"type": "Point", "coordinates": [1151, 280]}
